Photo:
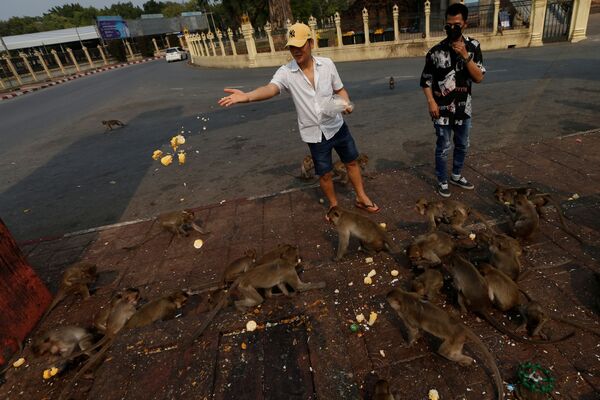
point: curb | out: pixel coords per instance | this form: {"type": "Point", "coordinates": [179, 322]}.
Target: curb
{"type": "Point", "coordinates": [76, 76]}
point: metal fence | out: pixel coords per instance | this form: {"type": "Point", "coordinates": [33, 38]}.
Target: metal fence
{"type": "Point", "coordinates": [557, 20]}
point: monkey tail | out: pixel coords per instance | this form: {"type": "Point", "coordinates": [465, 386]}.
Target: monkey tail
{"type": "Point", "coordinates": [101, 342]}
{"type": "Point", "coordinates": [89, 363]}
{"type": "Point", "coordinates": [138, 245]}
{"type": "Point", "coordinates": [501, 328]}
{"type": "Point", "coordinates": [562, 220]}
{"type": "Point", "coordinates": [575, 324]}
{"type": "Point", "coordinates": [491, 363]}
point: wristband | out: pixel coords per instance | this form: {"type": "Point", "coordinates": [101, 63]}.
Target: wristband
{"type": "Point", "coordinates": [466, 60]}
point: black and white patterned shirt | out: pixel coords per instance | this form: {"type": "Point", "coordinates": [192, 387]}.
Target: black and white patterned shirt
{"type": "Point", "coordinates": [445, 73]}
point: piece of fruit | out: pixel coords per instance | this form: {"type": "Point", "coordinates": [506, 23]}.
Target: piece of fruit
{"type": "Point", "coordinates": [157, 154]}
{"type": "Point", "coordinates": [372, 318]}
{"type": "Point", "coordinates": [251, 326]}
{"type": "Point", "coordinates": [166, 160]}
{"type": "Point", "coordinates": [19, 362]}
{"type": "Point", "coordinates": [181, 157]}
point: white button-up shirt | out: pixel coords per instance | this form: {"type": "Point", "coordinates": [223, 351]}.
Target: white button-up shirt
{"type": "Point", "coordinates": [308, 99]}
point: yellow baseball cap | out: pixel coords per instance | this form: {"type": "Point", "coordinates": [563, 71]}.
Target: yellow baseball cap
{"type": "Point", "coordinates": [298, 35]}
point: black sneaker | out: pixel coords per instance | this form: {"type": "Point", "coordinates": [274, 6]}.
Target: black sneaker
{"type": "Point", "coordinates": [443, 189]}
{"type": "Point", "coordinates": [462, 182]}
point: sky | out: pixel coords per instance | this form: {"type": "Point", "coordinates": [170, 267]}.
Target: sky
{"type": "Point", "coordinates": [33, 8]}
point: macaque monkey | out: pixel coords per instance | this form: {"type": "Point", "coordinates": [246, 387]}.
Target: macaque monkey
{"type": "Point", "coordinates": [286, 251]}
{"type": "Point", "coordinates": [340, 170]}
{"type": "Point", "coordinates": [535, 317]}
{"type": "Point", "coordinates": [278, 272]}
{"type": "Point", "coordinates": [112, 122]}
{"type": "Point", "coordinates": [74, 280]}
{"type": "Point", "coordinates": [61, 341]}
{"type": "Point", "coordinates": [239, 266]}
{"type": "Point", "coordinates": [266, 276]}
{"type": "Point", "coordinates": [427, 250]}
{"type": "Point", "coordinates": [507, 196]}
{"type": "Point", "coordinates": [525, 219]}
{"type": "Point", "coordinates": [101, 319]}
{"type": "Point", "coordinates": [504, 255]}
{"type": "Point", "coordinates": [121, 311]}
{"type": "Point", "coordinates": [428, 284]}
{"type": "Point", "coordinates": [451, 212]}
{"type": "Point", "coordinates": [307, 168]}
{"type": "Point", "coordinates": [475, 294]}
{"type": "Point", "coordinates": [502, 290]}
{"type": "Point", "coordinates": [373, 238]}
{"type": "Point", "coordinates": [382, 391]}
{"type": "Point", "coordinates": [422, 315]}
{"type": "Point", "coordinates": [178, 223]}
{"type": "Point", "coordinates": [158, 309]}
{"type": "Point", "coordinates": [392, 83]}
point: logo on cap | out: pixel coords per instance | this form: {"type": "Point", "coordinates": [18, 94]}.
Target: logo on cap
{"type": "Point", "coordinates": [292, 33]}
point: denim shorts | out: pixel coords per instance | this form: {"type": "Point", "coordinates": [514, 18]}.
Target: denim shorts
{"type": "Point", "coordinates": [344, 145]}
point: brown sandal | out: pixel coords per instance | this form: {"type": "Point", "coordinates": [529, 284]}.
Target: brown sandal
{"type": "Point", "coordinates": [370, 208]}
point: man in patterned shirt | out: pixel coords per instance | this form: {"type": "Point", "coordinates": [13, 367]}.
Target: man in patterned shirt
{"type": "Point", "coordinates": [450, 67]}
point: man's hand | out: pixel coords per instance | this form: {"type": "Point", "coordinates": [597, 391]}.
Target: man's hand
{"type": "Point", "coordinates": [349, 108]}
{"type": "Point", "coordinates": [460, 49]}
{"type": "Point", "coordinates": [434, 110]}
{"type": "Point", "coordinates": [236, 96]}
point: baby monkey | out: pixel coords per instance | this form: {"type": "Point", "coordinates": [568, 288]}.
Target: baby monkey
{"type": "Point", "coordinates": [428, 284]}
{"type": "Point", "coordinates": [428, 250]}
{"type": "Point", "coordinates": [178, 223]}
{"type": "Point", "coordinates": [420, 315]}
{"type": "Point", "coordinates": [112, 122]}
{"type": "Point", "coordinates": [373, 238]}
{"type": "Point", "coordinates": [450, 212]}
{"type": "Point", "coordinates": [525, 221]}
{"type": "Point", "coordinates": [340, 171]}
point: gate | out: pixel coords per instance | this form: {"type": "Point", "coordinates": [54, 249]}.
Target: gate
{"type": "Point", "coordinates": [558, 20]}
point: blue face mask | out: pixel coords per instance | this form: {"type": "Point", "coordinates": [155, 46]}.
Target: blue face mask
{"type": "Point", "coordinates": [453, 31]}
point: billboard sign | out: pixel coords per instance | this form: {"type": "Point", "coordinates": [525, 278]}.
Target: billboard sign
{"type": "Point", "coordinates": [112, 27]}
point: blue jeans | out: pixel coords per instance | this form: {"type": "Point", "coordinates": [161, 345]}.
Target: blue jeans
{"type": "Point", "coordinates": [443, 145]}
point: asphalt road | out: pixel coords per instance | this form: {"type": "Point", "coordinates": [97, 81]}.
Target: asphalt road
{"type": "Point", "coordinates": [59, 171]}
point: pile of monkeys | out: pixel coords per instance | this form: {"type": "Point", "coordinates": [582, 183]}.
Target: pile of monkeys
{"type": "Point", "coordinates": [484, 270]}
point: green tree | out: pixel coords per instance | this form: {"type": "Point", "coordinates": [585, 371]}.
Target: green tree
{"type": "Point", "coordinates": [153, 7]}
{"type": "Point", "coordinates": [126, 10]}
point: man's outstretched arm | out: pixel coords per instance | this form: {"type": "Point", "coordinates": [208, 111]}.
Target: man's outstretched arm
{"type": "Point", "coordinates": [258, 94]}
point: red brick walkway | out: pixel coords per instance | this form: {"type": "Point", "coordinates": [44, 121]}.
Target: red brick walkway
{"type": "Point", "coordinates": [303, 348]}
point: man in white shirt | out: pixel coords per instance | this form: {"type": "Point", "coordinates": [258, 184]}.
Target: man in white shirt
{"type": "Point", "coordinates": [312, 82]}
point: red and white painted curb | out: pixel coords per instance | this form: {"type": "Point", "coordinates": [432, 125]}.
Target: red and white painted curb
{"type": "Point", "coordinates": [73, 77]}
